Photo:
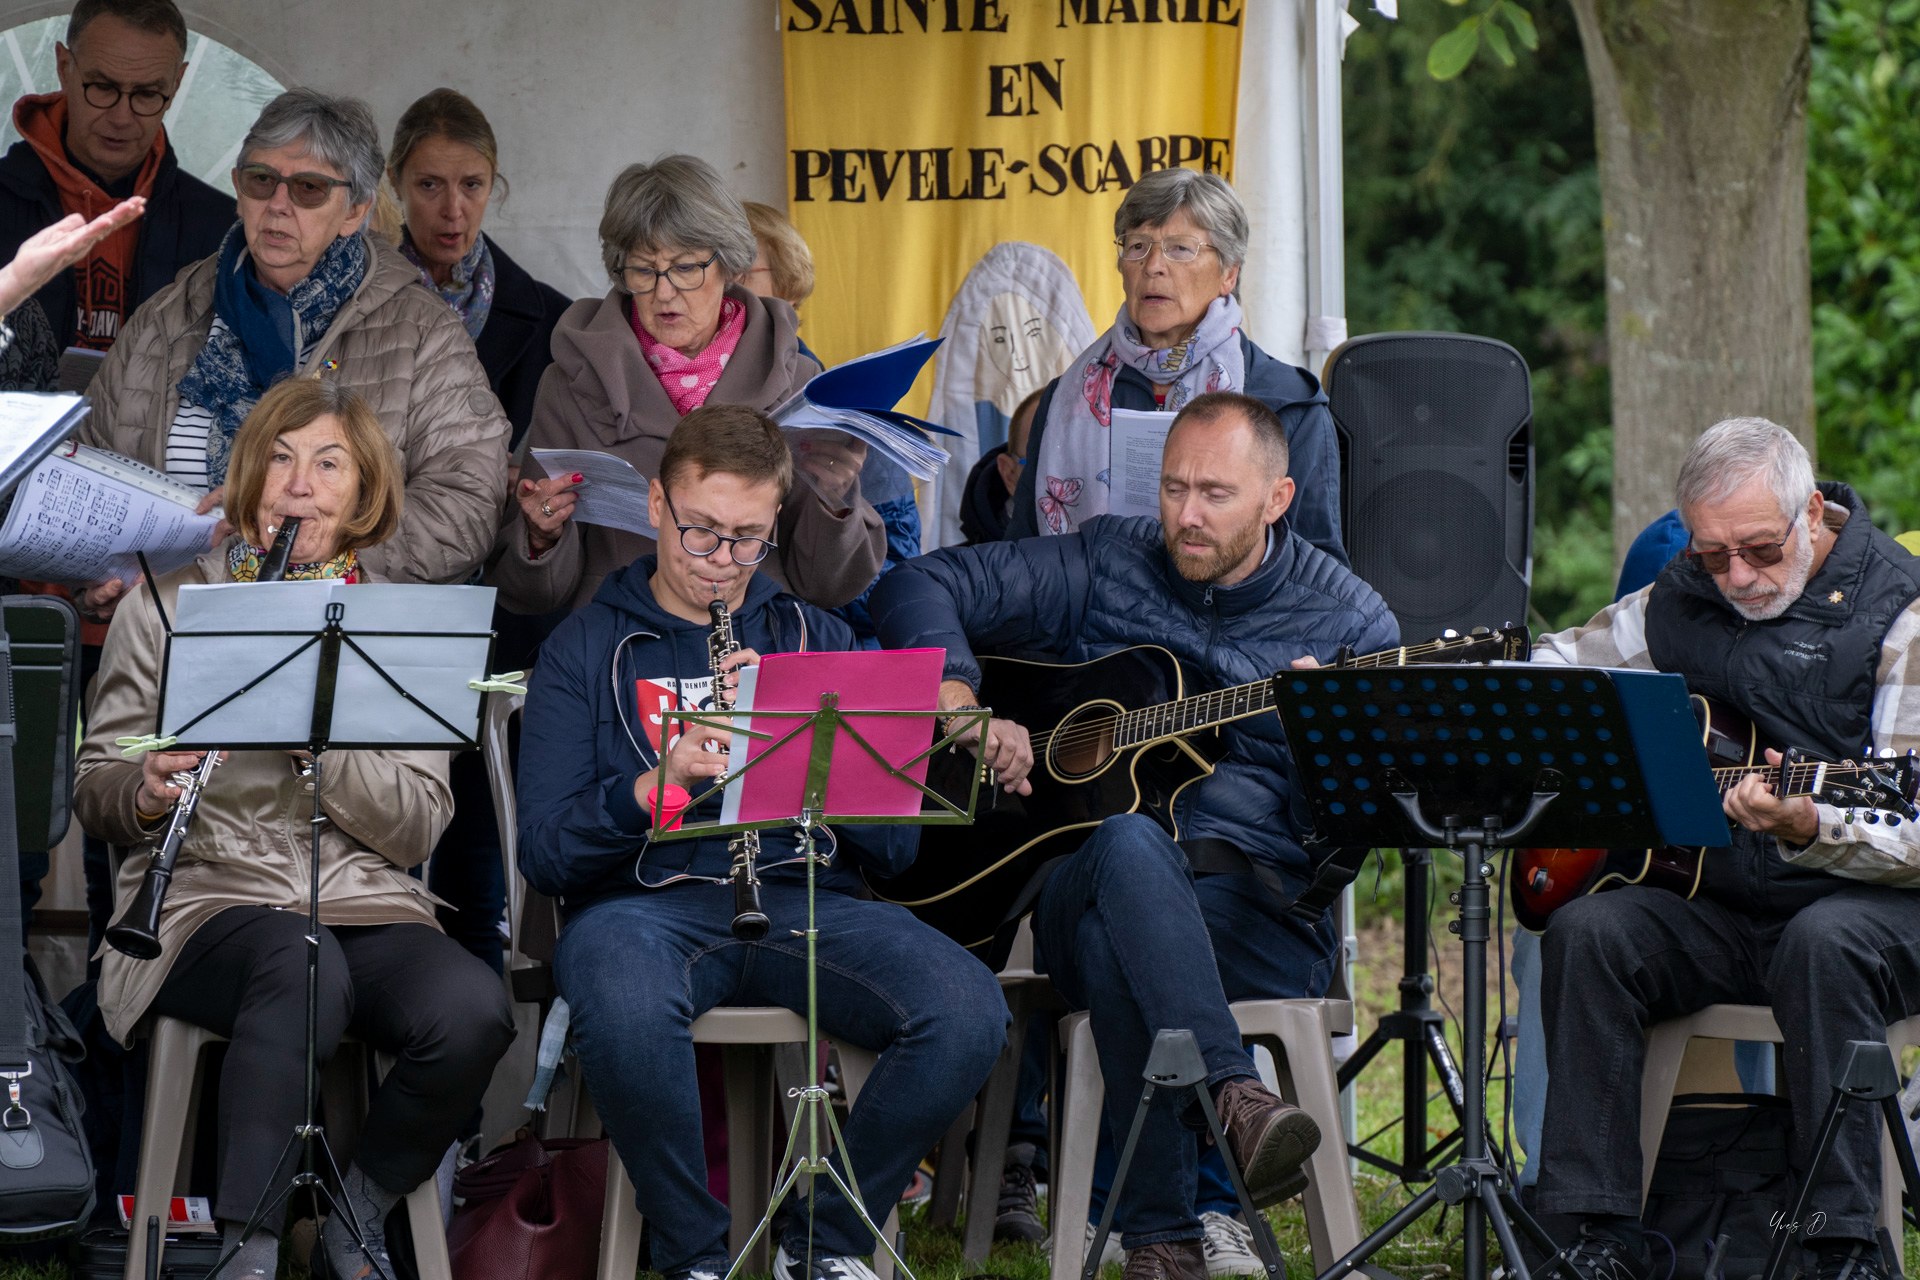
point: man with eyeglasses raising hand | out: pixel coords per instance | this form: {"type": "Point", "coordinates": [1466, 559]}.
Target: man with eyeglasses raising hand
{"type": "Point", "coordinates": [646, 946]}
{"type": "Point", "coordinates": [1790, 607]}
{"type": "Point", "coordinates": [96, 142]}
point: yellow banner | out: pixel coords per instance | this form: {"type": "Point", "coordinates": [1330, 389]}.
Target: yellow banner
{"type": "Point", "coordinates": [921, 133]}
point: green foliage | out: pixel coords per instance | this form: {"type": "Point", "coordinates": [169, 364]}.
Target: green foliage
{"type": "Point", "coordinates": [1449, 55]}
{"type": "Point", "coordinates": [1473, 205]}
{"type": "Point", "coordinates": [1863, 128]}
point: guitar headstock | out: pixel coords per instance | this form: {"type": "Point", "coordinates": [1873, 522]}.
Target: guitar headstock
{"type": "Point", "coordinates": [1511, 643]}
{"type": "Point", "coordinates": [1881, 785]}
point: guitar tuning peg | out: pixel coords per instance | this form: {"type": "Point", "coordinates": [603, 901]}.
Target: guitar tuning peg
{"type": "Point", "coordinates": [1873, 817]}
{"type": "Point", "coordinates": [1449, 634]}
{"type": "Point", "coordinates": [1893, 820]}
{"type": "Point", "coordinates": [1850, 815]}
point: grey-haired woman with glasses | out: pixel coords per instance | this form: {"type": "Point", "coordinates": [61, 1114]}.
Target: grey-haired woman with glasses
{"type": "Point", "coordinates": [298, 288]}
{"type": "Point", "coordinates": [677, 330]}
{"type": "Point", "coordinates": [1180, 239]}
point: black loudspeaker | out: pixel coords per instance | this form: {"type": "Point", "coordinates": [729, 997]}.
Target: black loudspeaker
{"type": "Point", "coordinates": [1436, 476]}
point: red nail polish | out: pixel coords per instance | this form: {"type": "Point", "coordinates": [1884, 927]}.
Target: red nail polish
{"type": "Point", "coordinates": [577, 478]}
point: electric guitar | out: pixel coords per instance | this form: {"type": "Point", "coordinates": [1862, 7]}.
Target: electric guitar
{"type": "Point", "coordinates": [1118, 734]}
{"type": "Point", "coordinates": [1542, 881]}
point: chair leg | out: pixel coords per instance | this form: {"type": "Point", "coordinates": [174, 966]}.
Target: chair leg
{"type": "Point", "coordinates": [619, 1224]}
{"type": "Point", "coordinates": [172, 1081]}
{"type": "Point", "coordinates": [1302, 1052]}
{"type": "Point", "coordinates": [1081, 1097]}
{"type": "Point", "coordinates": [1666, 1048]}
{"type": "Point", "coordinates": [749, 1086]}
{"type": "Point", "coordinates": [855, 1066]}
{"type": "Point", "coordinates": [950, 1171]}
{"type": "Point", "coordinates": [994, 1120]}
{"type": "Point", "coordinates": [429, 1232]}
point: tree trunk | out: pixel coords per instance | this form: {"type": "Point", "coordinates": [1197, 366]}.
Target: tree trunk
{"type": "Point", "coordinates": [1700, 116]}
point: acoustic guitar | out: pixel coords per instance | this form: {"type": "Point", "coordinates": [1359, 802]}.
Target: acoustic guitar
{"type": "Point", "coordinates": [1117, 734]}
{"type": "Point", "coordinates": [1541, 881]}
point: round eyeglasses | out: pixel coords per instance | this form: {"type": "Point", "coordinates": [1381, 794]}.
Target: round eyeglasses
{"type": "Point", "coordinates": [104, 95]}
{"type": "Point", "coordinates": [684, 276]}
{"type": "Point", "coordinates": [699, 540]}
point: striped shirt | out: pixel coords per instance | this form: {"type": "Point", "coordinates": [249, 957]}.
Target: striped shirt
{"type": "Point", "coordinates": [186, 459]}
{"type": "Point", "coordinates": [1858, 850]}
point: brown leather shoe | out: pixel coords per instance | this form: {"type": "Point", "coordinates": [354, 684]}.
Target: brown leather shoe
{"type": "Point", "coordinates": [1168, 1260]}
{"type": "Point", "coordinates": [1271, 1139]}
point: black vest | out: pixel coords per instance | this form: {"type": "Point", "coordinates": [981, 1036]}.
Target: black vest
{"type": "Point", "coordinates": [1806, 679]}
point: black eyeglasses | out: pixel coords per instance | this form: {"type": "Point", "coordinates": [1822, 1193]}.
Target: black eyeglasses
{"type": "Point", "coordinates": [308, 190]}
{"type": "Point", "coordinates": [104, 95]}
{"type": "Point", "coordinates": [686, 276]}
{"type": "Point", "coordinates": [1760, 555]}
{"type": "Point", "coordinates": [698, 540]}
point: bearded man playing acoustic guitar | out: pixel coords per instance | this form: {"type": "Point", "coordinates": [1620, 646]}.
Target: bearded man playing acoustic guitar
{"type": "Point", "coordinates": [1123, 925]}
{"type": "Point", "coordinates": [1789, 606]}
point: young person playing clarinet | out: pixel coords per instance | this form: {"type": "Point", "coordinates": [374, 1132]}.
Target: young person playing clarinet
{"type": "Point", "coordinates": [648, 944]}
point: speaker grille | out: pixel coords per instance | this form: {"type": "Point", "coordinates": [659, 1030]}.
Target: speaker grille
{"type": "Point", "coordinates": [1436, 475]}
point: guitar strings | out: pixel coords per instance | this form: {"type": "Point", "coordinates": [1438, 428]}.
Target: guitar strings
{"type": "Point", "coordinates": [1121, 727]}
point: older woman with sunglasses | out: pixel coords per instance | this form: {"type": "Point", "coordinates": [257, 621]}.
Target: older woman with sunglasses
{"type": "Point", "coordinates": [298, 287]}
{"type": "Point", "coordinates": [1181, 239]}
{"type": "Point", "coordinates": [677, 330]}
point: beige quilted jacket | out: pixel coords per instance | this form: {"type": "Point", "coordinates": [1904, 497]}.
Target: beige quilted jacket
{"type": "Point", "coordinates": [397, 344]}
{"type": "Point", "coordinates": [251, 834]}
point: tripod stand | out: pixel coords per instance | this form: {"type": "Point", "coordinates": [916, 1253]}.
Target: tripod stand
{"type": "Point", "coordinates": [1442, 754]}
{"type": "Point", "coordinates": [1421, 1031]}
{"type": "Point", "coordinates": [296, 697]}
{"type": "Point", "coordinates": [843, 760]}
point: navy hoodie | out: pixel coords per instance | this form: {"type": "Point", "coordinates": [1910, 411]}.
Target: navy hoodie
{"type": "Point", "coordinates": [592, 725]}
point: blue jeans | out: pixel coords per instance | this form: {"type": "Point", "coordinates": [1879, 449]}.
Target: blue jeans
{"type": "Point", "coordinates": [637, 970]}
{"type": "Point", "coordinates": [1126, 933]}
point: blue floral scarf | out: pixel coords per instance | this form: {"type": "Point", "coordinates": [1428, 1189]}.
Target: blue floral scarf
{"type": "Point", "coordinates": [470, 291]}
{"type": "Point", "coordinates": [265, 333]}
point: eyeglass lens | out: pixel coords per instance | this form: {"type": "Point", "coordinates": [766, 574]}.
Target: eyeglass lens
{"type": "Point", "coordinates": [685, 276]}
{"type": "Point", "coordinates": [698, 540]}
{"type": "Point", "coordinates": [308, 190]}
{"type": "Point", "coordinates": [103, 96]}
{"type": "Point", "coordinates": [1173, 248]}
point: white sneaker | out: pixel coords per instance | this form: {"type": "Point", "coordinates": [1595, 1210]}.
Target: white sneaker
{"type": "Point", "coordinates": [786, 1267]}
{"type": "Point", "coordinates": [1228, 1243]}
{"type": "Point", "coordinates": [1111, 1256]}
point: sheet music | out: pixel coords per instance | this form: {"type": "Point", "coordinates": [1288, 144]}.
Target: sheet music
{"type": "Point", "coordinates": [28, 418]}
{"type": "Point", "coordinates": [81, 514]}
{"type": "Point", "coordinates": [611, 492]}
{"type": "Point", "coordinates": [1135, 445]}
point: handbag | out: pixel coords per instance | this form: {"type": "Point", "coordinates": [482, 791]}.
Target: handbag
{"type": "Point", "coordinates": [530, 1211]}
{"type": "Point", "coordinates": [46, 1167]}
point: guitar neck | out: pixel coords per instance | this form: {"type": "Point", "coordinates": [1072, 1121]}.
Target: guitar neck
{"type": "Point", "coordinates": [1222, 706]}
{"type": "Point", "coordinates": [1802, 779]}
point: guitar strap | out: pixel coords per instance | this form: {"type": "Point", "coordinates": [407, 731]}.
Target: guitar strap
{"type": "Point", "coordinates": [1212, 856]}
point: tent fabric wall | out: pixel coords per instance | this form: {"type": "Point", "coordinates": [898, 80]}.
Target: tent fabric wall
{"type": "Point", "coordinates": [578, 88]}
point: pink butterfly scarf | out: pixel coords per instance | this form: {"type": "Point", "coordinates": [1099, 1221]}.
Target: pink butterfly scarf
{"type": "Point", "coordinates": [1070, 486]}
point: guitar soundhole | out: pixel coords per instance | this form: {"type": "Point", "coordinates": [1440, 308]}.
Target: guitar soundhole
{"type": "Point", "coordinates": [1083, 744]}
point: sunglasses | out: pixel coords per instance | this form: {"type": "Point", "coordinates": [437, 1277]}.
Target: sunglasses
{"type": "Point", "coordinates": [1759, 554]}
{"type": "Point", "coordinates": [308, 190]}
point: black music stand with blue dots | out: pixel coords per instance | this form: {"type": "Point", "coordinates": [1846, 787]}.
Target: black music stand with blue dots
{"type": "Point", "coordinates": [1473, 758]}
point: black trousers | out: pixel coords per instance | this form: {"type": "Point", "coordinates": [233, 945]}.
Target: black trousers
{"type": "Point", "coordinates": [403, 988]}
{"type": "Point", "coordinates": [1839, 968]}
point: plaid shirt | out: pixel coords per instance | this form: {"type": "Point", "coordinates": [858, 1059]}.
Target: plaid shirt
{"type": "Point", "coordinates": [1859, 850]}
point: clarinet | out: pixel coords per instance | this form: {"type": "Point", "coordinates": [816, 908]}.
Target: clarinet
{"type": "Point", "coordinates": [137, 932]}
{"type": "Point", "coordinates": [749, 921]}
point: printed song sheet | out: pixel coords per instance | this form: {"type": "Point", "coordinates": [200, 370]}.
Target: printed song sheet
{"type": "Point", "coordinates": [80, 516]}
{"type": "Point", "coordinates": [610, 491]}
{"type": "Point", "coordinates": [1135, 444]}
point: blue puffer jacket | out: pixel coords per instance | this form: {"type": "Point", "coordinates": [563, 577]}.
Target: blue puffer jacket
{"type": "Point", "coordinates": [1111, 585]}
{"type": "Point", "coordinates": [586, 736]}
{"type": "Point", "coordinates": [1293, 393]}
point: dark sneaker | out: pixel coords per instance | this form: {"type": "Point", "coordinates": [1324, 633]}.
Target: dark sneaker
{"type": "Point", "coordinates": [1850, 1260]}
{"type": "Point", "coordinates": [1018, 1214]}
{"type": "Point", "coordinates": [1271, 1139]}
{"type": "Point", "coordinates": [1598, 1254]}
{"type": "Point", "coordinates": [1169, 1260]}
{"type": "Point", "coordinates": [787, 1267]}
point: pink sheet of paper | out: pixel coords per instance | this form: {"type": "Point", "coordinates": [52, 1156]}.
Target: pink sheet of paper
{"type": "Point", "coordinates": [866, 680]}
